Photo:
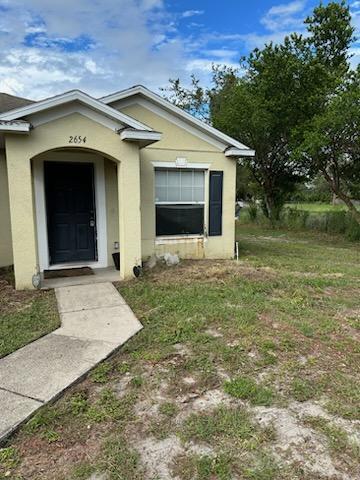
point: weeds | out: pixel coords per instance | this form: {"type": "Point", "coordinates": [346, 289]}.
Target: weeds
{"type": "Point", "coordinates": [100, 374]}
{"type": "Point", "coordinates": [247, 389]}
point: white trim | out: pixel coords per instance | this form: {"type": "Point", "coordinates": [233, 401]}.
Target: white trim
{"type": "Point", "coordinates": [22, 127]}
{"type": "Point", "coordinates": [139, 89]}
{"type": "Point", "coordinates": [73, 95]}
{"type": "Point", "coordinates": [40, 206]}
{"type": "Point", "coordinates": [134, 135]}
{"type": "Point", "coordinates": [168, 239]}
{"type": "Point", "coordinates": [202, 202]}
{"type": "Point", "coordinates": [64, 266]}
{"type": "Point", "coordinates": [237, 152]}
{"type": "Point", "coordinates": [144, 138]}
{"type": "Point", "coordinates": [191, 166]}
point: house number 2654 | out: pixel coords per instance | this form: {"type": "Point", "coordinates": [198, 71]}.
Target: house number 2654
{"type": "Point", "coordinates": [77, 139]}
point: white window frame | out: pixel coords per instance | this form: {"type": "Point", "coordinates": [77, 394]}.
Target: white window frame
{"type": "Point", "coordinates": [172, 166]}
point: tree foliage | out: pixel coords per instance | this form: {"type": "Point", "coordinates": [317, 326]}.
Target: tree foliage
{"type": "Point", "coordinates": [331, 143]}
{"type": "Point", "coordinates": [278, 98]}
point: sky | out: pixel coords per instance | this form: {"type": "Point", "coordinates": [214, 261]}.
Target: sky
{"type": "Point", "coordinates": [101, 46]}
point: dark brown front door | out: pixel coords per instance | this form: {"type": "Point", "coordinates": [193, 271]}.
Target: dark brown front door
{"type": "Point", "coordinates": [70, 208]}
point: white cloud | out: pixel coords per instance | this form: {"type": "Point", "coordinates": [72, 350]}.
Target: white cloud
{"type": "Point", "coordinates": [284, 16]}
{"type": "Point", "coordinates": [192, 13]}
{"type": "Point", "coordinates": [222, 53]}
{"type": "Point", "coordinates": [130, 41]}
{"type": "Point", "coordinates": [287, 8]}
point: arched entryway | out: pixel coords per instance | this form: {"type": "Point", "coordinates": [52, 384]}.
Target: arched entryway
{"type": "Point", "coordinates": [28, 208]}
{"type": "Point", "coordinates": [76, 203]}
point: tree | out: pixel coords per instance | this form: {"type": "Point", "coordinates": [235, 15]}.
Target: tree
{"type": "Point", "coordinates": [331, 33]}
{"type": "Point", "coordinates": [331, 143]}
{"type": "Point", "coordinates": [271, 105]}
{"type": "Point", "coordinates": [262, 110]}
{"type": "Point", "coordinates": [193, 99]}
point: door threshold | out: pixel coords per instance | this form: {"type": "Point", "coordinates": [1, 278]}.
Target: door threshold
{"type": "Point", "coordinates": [64, 266]}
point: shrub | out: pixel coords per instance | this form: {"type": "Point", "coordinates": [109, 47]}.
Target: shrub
{"type": "Point", "coordinates": [353, 231]}
{"type": "Point", "coordinates": [295, 219]}
{"type": "Point", "coordinates": [336, 222]}
{"type": "Point", "coordinates": [252, 211]}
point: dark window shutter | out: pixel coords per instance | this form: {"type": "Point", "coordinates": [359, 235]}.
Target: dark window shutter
{"type": "Point", "coordinates": [215, 203]}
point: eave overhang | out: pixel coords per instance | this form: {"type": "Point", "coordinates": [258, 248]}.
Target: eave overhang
{"type": "Point", "coordinates": [239, 152]}
{"type": "Point", "coordinates": [143, 137]}
{"type": "Point", "coordinates": [16, 126]}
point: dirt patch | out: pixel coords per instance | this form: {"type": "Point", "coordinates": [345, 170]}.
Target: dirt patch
{"type": "Point", "coordinates": [209, 271]}
{"type": "Point", "coordinates": [296, 442]}
{"type": "Point", "coordinates": [12, 300]}
{"type": "Point", "coordinates": [157, 456]}
{"type": "Point", "coordinates": [42, 459]}
{"type": "Point", "coordinates": [312, 409]}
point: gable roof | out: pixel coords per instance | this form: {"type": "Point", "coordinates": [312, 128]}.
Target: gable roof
{"type": "Point", "coordinates": [71, 96]}
{"type": "Point", "coordinates": [10, 120]}
{"type": "Point", "coordinates": [9, 102]}
{"type": "Point", "coordinates": [233, 148]}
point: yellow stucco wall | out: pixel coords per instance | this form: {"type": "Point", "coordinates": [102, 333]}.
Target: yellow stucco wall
{"type": "Point", "coordinates": [177, 142]}
{"type": "Point", "coordinates": [6, 256]}
{"type": "Point", "coordinates": [174, 137]}
{"type": "Point", "coordinates": [55, 135]}
{"type": "Point", "coordinates": [112, 207]}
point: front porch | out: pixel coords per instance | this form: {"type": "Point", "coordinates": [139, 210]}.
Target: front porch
{"type": "Point", "coordinates": [100, 275]}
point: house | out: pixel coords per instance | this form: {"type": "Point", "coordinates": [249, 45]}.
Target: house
{"type": "Point", "coordinates": [82, 178]}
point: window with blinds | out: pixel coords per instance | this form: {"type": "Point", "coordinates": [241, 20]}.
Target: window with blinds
{"type": "Point", "coordinates": [179, 199]}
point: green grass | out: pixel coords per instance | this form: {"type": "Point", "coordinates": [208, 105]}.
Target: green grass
{"type": "Point", "coordinates": [203, 467]}
{"type": "Point", "coordinates": [232, 424]}
{"type": "Point", "coordinates": [318, 207]}
{"type": "Point", "coordinates": [8, 459]}
{"type": "Point", "coordinates": [100, 374]}
{"type": "Point", "coordinates": [168, 408]}
{"type": "Point", "coordinates": [247, 389]}
{"type": "Point", "coordinates": [24, 316]}
{"type": "Point", "coordinates": [119, 461]}
{"type": "Point", "coordinates": [286, 318]}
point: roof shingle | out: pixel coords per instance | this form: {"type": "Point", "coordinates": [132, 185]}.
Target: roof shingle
{"type": "Point", "coordinates": [9, 102]}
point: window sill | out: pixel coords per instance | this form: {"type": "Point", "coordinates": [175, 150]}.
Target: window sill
{"type": "Point", "coordinates": [177, 238]}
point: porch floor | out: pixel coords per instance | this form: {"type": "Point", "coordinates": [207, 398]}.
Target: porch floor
{"type": "Point", "coordinates": [101, 275]}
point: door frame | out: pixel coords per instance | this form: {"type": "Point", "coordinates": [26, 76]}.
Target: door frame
{"type": "Point", "coordinates": [100, 206]}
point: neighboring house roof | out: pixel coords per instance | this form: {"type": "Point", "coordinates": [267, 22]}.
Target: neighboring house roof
{"type": "Point", "coordinates": [232, 146]}
{"type": "Point", "coordinates": [9, 102]}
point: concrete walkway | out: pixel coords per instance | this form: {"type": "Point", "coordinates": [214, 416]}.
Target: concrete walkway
{"type": "Point", "coordinates": [95, 321]}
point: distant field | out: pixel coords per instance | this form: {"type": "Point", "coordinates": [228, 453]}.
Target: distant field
{"type": "Point", "coordinates": [317, 207]}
